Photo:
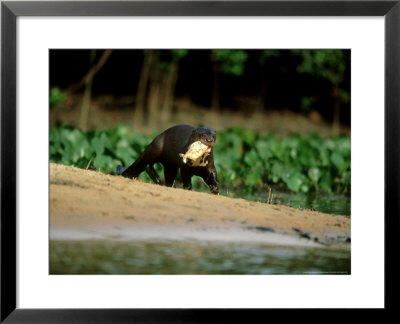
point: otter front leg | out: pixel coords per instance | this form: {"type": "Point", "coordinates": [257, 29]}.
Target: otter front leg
{"type": "Point", "coordinates": [186, 179]}
{"type": "Point", "coordinates": [212, 183]}
{"type": "Point", "coordinates": [170, 173]}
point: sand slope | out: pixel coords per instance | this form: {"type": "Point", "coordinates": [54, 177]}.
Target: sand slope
{"type": "Point", "coordinates": [89, 204]}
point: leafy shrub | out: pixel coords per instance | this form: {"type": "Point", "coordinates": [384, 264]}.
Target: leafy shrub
{"type": "Point", "coordinates": [56, 97]}
{"type": "Point", "coordinates": [243, 158]}
{"type": "Point", "coordinates": [299, 162]}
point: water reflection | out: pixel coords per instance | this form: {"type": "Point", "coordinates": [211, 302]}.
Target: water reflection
{"type": "Point", "coordinates": [326, 203]}
{"type": "Point", "coordinates": [183, 257]}
{"type": "Point", "coordinates": [331, 204]}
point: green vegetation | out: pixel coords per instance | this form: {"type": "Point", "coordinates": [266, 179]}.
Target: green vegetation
{"type": "Point", "coordinates": [300, 163]}
{"type": "Point", "coordinates": [244, 159]}
{"type": "Point", "coordinates": [231, 62]}
{"type": "Point", "coordinates": [329, 66]}
{"type": "Point", "coordinates": [56, 96]}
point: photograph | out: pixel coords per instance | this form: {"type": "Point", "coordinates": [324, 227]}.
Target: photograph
{"type": "Point", "coordinates": [199, 161]}
{"type": "Point", "coordinates": [196, 161]}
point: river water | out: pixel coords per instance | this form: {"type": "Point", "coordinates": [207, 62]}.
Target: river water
{"type": "Point", "coordinates": [335, 204]}
{"type": "Point", "coordinates": [188, 257]}
{"type": "Point", "coordinates": [158, 252]}
{"type": "Point", "coordinates": [330, 204]}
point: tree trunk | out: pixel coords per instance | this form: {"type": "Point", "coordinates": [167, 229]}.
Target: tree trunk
{"type": "Point", "coordinates": [140, 108]}
{"type": "Point", "coordinates": [85, 107]}
{"type": "Point", "coordinates": [170, 83]}
{"type": "Point", "coordinates": [153, 102]}
{"type": "Point", "coordinates": [92, 72]}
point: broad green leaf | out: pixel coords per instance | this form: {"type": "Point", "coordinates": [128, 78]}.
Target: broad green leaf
{"type": "Point", "coordinates": [251, 158]}
{"type": "Point", "coordinates": [263, 150]}
{"type": "Point", "coordinates": [293, 182]}
{"type": "Point", "coordinates": [253, 177]}
{"type": "Point", "coordinates": [338, 160]}
{"type": "Point", "coordinates": [102, 162]}
{"type": "Point", "coordinates": [314, 174]}
{"type": "Point", "coordinates": [97, 145]}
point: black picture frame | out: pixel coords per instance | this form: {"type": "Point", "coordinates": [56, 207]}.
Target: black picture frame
{"type": "Point", "coordinates": [10, 10]}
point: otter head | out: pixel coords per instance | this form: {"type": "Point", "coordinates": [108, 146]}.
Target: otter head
{"type": "Point", "coordinates": [205, 135]}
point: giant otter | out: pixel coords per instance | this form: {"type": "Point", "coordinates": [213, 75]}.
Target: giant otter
{"type": "Point", "coordinates": [181, 147]}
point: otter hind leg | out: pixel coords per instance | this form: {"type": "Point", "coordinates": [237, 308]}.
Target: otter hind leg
{"type": "Point", "coordinates": [145, 162]}
{"type": "Point", "coordinates": [134, 170]}
{"type": "Point", "coordinates": [153, 174]}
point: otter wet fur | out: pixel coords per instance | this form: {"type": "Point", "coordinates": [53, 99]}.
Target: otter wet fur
{"type": "Point", "coordinates": [182, 147]}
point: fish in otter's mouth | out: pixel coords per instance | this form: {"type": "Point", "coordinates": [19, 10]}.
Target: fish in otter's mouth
{"type": "Point", "coordinates": [195, 151]}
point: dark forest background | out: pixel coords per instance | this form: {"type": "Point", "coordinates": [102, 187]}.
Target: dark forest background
{"type": "Point", "coordinates": [90, 88]}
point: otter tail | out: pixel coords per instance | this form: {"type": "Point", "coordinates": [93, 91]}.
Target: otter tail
{"type": "Point", "coordinates": [135, 169]}
{"type": "Point", "coordinates": [145, 161]}
{"type": "Point", "coordinates": [120, 169]}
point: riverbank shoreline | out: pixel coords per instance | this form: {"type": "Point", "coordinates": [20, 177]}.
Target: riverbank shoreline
{"type": "Point", "coordinates": [88, 205]}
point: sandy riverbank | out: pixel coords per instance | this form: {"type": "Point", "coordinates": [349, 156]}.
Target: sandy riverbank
{"type": "Point", "coordinates": [91, 205]}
